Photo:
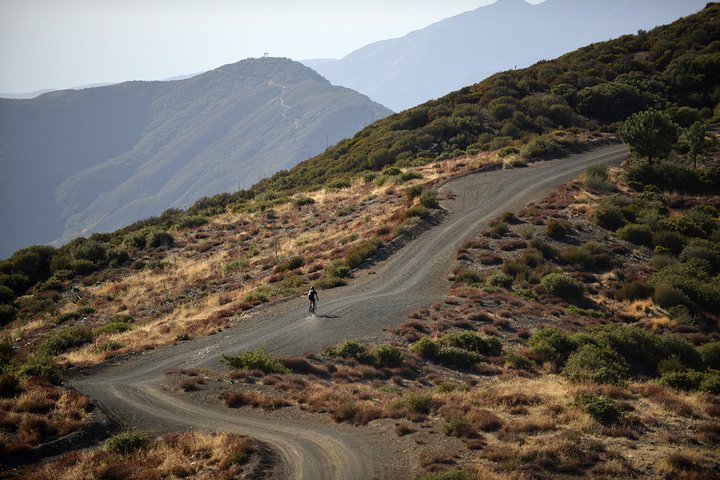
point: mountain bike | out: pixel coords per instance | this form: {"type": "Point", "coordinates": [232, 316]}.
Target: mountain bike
{"type": "Point", "coordinates": [312, 308]}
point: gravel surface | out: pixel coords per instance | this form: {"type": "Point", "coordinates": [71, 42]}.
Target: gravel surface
{"type": "Point", "coordinates": [131, 391]}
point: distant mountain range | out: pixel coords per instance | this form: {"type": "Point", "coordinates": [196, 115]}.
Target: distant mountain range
{"type": "Point", "coordinates": [462, 50]}
{"type": "Point", "coordinates": [77, 162]}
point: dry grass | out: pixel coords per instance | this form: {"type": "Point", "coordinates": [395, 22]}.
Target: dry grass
{"type": "Point", "coordinates": [39, 413]}
{"type": "Point", "coordinates": [184, 455]}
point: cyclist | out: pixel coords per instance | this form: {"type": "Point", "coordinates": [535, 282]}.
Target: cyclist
{"type": "Point", "coordinates": [313, 298]}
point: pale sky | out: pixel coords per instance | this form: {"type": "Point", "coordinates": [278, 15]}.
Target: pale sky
{"type": "Point", "coordinates": [71, 43]}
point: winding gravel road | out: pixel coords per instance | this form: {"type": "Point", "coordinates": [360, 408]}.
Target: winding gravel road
{"type": "Point", "coordinates": [415, 276]}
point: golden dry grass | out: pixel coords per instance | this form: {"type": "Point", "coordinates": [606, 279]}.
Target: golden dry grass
{"type": "Point", "coordinates": [183, 455]}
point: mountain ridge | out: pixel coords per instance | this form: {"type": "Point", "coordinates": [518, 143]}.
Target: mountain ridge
{"type": "Point", "coordinates": [452, 53]}
{"type": "Point", "coordinates": [107, 156]}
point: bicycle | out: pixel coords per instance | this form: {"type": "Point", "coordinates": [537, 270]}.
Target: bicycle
{"type": "Point", "coordinates": [312, 308]}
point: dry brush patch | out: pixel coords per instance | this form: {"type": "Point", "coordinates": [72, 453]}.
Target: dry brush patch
{"type": "Point", "coordinates": [180, 455]}
{"type": "Point", "coordinates": [37, 412]}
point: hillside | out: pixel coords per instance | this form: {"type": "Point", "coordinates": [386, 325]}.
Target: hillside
{"type": "Point", "coordinates": [450, 54]}
{"type": "Point", "coordinates": [577, 337]}
{"type": "Point", "coordinates": [77, 162]}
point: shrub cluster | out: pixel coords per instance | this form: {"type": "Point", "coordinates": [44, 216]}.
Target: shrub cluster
{"type": "Point", "coordinates": [381, 355]}
{"type": "Point", "coordinates": [459, 349]}
{"type": "Point", "coordinates": [257, 359]}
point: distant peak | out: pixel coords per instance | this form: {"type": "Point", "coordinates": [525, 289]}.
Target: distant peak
{"type": "Point", "coordinates": [511, 3]}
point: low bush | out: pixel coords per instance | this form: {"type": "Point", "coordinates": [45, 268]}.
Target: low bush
{"type": "Point", "coordinates": [609, 217]}
{"type": "Point", "coordinates": [469, 277]}
{"type": "Point", "coordinates": [562, 286]}
{"type": "Point", "coordinates": [636, 233]}
{"type": "Point", "coordinates": [669, 241]}
{"type": "Point", "coordinates": [111, 328]}
{"type": "Point", "coordinates": [548, 251]}
{"type": "Point", "coordinates": [386, 355]}
{"type": "Point", "coordinates": [682, 380]}
{"type": "Point", "coordinates": [257, 359]}
{"type": "Point", "coordinates": [668, 296]}
{"type": "Point", "coordinates": [7, 313]}
{"type": "Point", "coordinates": [710, 353]}
{"type": "Point", "coordinates": [634, 290]}
{"type": "Point", "coordinates": [596, 177]}
{"type": "Point", "coordinates": [521, 362]}
{"type": "Point", "coordinates": [66, 339]}
{"type": "Point", "coordinates": [425, 347]}
{"type": "Point", "coordinates": [127, 442]}
{"type": "Point", "coordinates": [603, 409]}
{"type": "Point", "coordinates": [159, 238]}
{"type": "Point", "coordinates": [419, 211]}
{"type": "Point", "coordinates": [552, 344]}
{"type": "Point", "coordinates": [419, 402]}
{"type": "Point", "coordinates": [362, 251]}
{"type": "Point", "coordinates": [592, 363]}
{"type": "Point", "coordinates": [457, 357]}
{"type": "Point", "coordinates": [501, 279]}
{"type": "Point", "coordinates": [556, 230]}
{"type": "Point", "coordinates": [472, 341]}
{"type": "Point", "coordinates": [429, 199]}
{"type": "Point", "coordinates": [40, 366]}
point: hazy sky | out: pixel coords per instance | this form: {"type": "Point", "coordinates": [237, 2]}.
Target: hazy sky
{"type": "Point", "coordinates": [67, 43]}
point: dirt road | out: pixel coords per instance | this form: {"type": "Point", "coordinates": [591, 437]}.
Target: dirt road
{"type": "Point", "coordinates": [413, 277]}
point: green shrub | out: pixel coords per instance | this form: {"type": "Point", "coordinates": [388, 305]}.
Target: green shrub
{"type": "Point", "coordinates": [590, 256]}
{"type": "Point", "coordinates": [668, 296]}
{"type": "Point", "coordinates": [418, 211]}
{"type": "Point", "coordinates": [66, 339]}
{"type": "Point", "coordinates": [338, 269]}
{"type": "Point", "coordinates": [472, 341]}
{"type": "Point", "coordinates": [521, 362]}
{"type": "Point", "coordinates": [562, 286]}
{"type": "Point", "coordinates": [419, 402]}
{"type": "Point", "coordinates": [671, 241]}
{"type": "Point", "coordinates": [636, 233]}
{"type": "Point", "coordinates": [425, 347]}
{"type": "Point", "coordinates": [500, 279]}
{"type": "Point", "coordinates": [457, 357]}
{"type": "Point", "coordinates": [469, 277]}
{"type": "Point", "coordinates": [548, 251]}
{"type": "Point", "coordinates": [552, 344]}
{"type": "Point", "coordinates": [111, 328]}
{"type": "Point", "coordinates": [634, 290]}
{"type": "Point", "coordinates": [41, 366]}
{"type": "Point", "coordinates": [290, 264]}
{"type": "Point", "coordinates": [7, 313]}
{"type": "Point", "coordinates": [127, 442]}
{"type": "Point", "coordinates": [710, 353]}
{"type": "Point", "coordinates": [108, 346]}
{"type": "Point", "coordinates": [711, 382]}
{"type": "Point", "coordinates": [603, 409]}
{"type": "Point", "coordinates": [361, 252]}
{"type": "Point", "coordinates": [136, 239]}
{"type": "Point", "coordinates": [414, 191]}
{"type": "Point", "coordinates": [302, 201]}
{"type": "Point", "coordinates": [500, 228]}
{"type": "Point", "coordinates": [429, 199]}
{"type": "Point", "coordinates": [592, 363]}
{"type": "Point", "coordinates": [596, 177]}
{"type": "Point", "coordinates": [159, 238]}
{"type": "Point", "coordinates": [386, 355]}
{"type": "Point", "coordinates": [556, 229]}
{"type": "Point", "coordinates": [609, 217]}
{"type": "Point", "coordinates": [352, 349]}
{"type": "Point", "coordinates": [541, 147]}
{"type": "Point", "coordinates": [191, 221]}
{"type": "Point", "coordinates": [257, 359]}
{"type": "Point", "coordinates": [682, 380]}
{"type": "Point", "coordinates": [7, 295]}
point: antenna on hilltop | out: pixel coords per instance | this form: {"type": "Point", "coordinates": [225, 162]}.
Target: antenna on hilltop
{"type": "Point", "coordinates": [265, 54]}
